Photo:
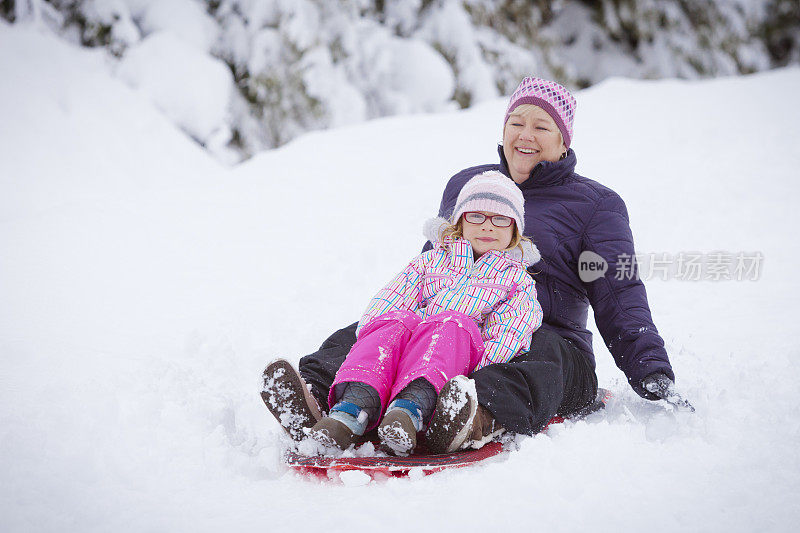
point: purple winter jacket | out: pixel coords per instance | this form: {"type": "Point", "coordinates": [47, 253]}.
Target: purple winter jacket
{"type": "Point", "coordinates": [566, 214]}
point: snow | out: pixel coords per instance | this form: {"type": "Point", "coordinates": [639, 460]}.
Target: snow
{"type": "Point", "coordinates": [449, 26]}
{"type": "Point", "coordinates": [186, 19]}
{"type": "Point", "coordinates": [328, 84]}
{"type": "Point", "coordinates": [116, 15]}
{"type": "Point", "coordinates": [421, 75]}
{"type": "Point", "coordinates": [144, 287]}
{"type": "Point", "coordinates": [189, 86]}
{"type": "Point", "coordinates": [354, 478]}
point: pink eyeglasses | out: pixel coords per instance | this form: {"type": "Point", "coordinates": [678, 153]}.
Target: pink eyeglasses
{"type": "Point", "coordinates": [500, 221]}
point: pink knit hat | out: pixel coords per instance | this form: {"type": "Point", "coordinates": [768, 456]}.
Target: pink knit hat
{"type": "Point", "coordinates": [493, 192]}
{"type": "Point", "coordinates": [555, 99]}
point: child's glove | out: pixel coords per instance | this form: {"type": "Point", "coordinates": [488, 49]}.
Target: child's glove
{"type": "Point", "coordinates": [660, 385]}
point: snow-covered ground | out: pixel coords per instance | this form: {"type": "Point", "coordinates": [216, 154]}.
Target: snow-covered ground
{"type": "Point", "coordinates": [143, 287]}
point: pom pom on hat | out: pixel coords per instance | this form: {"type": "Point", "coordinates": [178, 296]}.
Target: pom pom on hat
{"type": "Point", "coordinates": [494, 193]}
{"type": "Point", "coordinates": [554, 98]}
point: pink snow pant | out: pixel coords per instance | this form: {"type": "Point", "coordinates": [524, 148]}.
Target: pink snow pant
{"type": "Point", "coordinates": [396, 348]}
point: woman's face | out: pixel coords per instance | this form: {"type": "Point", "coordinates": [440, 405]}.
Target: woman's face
{"type": "Point", "coordinates": [529, 137]}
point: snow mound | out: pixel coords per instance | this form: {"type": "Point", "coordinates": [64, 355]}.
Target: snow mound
{"type": "Point", "coordinates": [189, 86]}
{"type": "Point", "coordinates": [186, 19]}
{"type": "Point", "coordinates": [420, 75]}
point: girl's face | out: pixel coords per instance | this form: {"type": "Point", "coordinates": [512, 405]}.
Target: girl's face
{"type": "Point", "coordinates": [529, 137]}
{"type": "Point", "coordinates": [486, 236]}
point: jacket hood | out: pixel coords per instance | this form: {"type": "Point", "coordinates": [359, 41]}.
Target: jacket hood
{"type": "Point", "coordinates": [526, 253]}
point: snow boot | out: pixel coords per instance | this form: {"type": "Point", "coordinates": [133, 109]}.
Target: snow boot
{"type": "Point", "coordinates": [288, 399]}
{"type": "Point", "coordinates": [460, 421]}
{"type": "Point", "coordinates": [399, 427]}
{"type": "Point", "coordinates": [484, 429]}
{"type": "Point", "coordinates": [333, 433]}
{"type": "Point", "coordinates": [451, 424]}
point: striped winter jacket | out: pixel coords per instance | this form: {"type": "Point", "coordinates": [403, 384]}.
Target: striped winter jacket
{"type": "Point", "coordinates": [495, 290]}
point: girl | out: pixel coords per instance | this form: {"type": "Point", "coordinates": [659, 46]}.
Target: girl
{"type": "Point", "coordinates": [465, 304]}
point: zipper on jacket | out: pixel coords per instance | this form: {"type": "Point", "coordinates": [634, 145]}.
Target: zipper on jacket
{"type": "Point", "coordinates": [490, 285]}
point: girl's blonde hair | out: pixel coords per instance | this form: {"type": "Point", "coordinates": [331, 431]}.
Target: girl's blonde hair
{"type": "Point", "coordinates": [456, 231]}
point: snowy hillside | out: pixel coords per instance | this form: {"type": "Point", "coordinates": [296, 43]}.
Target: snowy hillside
{"type": "Point", "coordinates": [144, 287]}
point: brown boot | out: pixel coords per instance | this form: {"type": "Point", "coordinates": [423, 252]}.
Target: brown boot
{"type": "Point", "coordinates": [397, 432]}
{"type": "Point", "coordinates": [484, 428]}
{"type": "Point", "coordinates": [451, 424]}
{"type": "Point", "coordinates": [332, 433]}
{"type": "Point", "coordinates": [288, 399]}
{"type": "Point", "coordinates": [459, 422]}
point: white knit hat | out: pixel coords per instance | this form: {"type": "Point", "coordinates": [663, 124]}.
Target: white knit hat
{"type": "Point", "coordinates": [493, 192]}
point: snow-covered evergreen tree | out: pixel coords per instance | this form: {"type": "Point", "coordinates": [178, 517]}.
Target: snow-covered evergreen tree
{"type": "Point", "coordinates": [299, 65]}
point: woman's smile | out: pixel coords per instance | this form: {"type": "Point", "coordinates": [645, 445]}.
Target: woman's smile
{"type": "Point", "coordinates": [527, 151]}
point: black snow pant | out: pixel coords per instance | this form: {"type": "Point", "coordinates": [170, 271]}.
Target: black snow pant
{"type": "Point", "coordinates": [553, 378]}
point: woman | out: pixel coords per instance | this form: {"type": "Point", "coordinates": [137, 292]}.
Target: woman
{"type": "Point", "coordinates": [566, 215]}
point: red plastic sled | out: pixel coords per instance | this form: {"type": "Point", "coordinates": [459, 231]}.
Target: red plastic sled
{"type": "Point", "coordinates": [328, 467]}
{"type": "Point", "coordinates": [391, 466]}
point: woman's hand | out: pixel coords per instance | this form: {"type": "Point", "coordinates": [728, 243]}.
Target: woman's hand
{"type": "Point", "coordinates": [659, 384]}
